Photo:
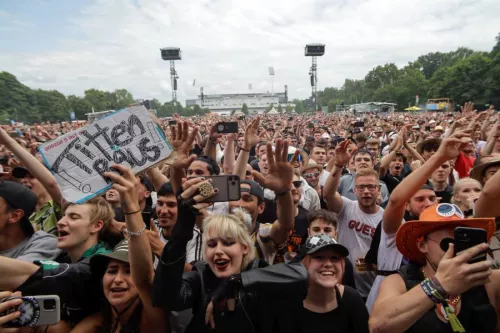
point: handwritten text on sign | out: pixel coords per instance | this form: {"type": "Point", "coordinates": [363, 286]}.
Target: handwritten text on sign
{"type": "Point", "coordinates": [79, 158]}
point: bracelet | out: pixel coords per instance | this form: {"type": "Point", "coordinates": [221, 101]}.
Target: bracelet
{"type": "Point", "coordinates": [137, 233]}
{"type": "Point", "coordinates": [244, 149]}
{"type": "Point", "coordinates": [282, 193]}
{"type": "Point", "coordinates": [439, 287]}
{"type": "Point", "coordinates": [430, 290]}
{"type": "Point", "coordinates": [339, 166]}
{"type": "Point", "coordinates": [132, 213]}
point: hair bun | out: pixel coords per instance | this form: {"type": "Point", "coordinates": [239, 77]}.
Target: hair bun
{"type": "Point", "coordinates": [242, 215]}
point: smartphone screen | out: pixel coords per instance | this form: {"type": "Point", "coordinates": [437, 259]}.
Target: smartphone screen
{"type": "Point", "coordinates": [227, 127]}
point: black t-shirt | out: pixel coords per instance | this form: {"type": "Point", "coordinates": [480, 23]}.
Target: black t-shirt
{"type": "Point", "coordinates": [391, 181]}
{"type": "Point", "coordinates": [297, 237]}
{"type": "Point", "coordinates": [445, 195]}
{"type": "Point", "coordinates": [350, 316]}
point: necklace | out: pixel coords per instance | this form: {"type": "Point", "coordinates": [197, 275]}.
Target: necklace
{"type": "Point", "coordinates": [440, 309]}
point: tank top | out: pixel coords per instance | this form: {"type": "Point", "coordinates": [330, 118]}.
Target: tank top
{"type": "Point", "coordinates": [476, 314]}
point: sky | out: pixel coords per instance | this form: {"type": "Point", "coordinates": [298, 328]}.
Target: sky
{"type": "Point", "coordinates": [72, 46]}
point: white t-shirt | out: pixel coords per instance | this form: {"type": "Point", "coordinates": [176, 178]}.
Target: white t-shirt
{"type": "Point", "coordinates": [388, 259]}
{"type": "Point", "coordinates": [193, 247]}
{"type": "Point", "coordinates": [356, 230]}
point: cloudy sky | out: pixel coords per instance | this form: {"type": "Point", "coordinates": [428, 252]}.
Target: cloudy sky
{"type": "Point", "coordinates": [108, 44]}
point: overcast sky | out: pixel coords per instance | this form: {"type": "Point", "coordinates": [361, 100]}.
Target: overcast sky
{"type": "Point", "coordinates": [72, 45]}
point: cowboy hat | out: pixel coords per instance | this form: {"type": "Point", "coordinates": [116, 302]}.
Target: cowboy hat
{"type": "Point", "coordinates": [312, 164]}
{"type": "Point", "coordinates": [478, 172]}
{"type": "Point", "coordinates": [420, 146]}
{"type": "Point", "coordinates": [431, 219]}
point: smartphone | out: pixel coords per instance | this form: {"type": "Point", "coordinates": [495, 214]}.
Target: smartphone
{"type": "Point", "coordinates": [359, 124]}
{"type": "Point", "coordinates": [35, 311]}
{"type": "Point", "coordinates": [227, 127]}
{"type": "Point", "coordinates": [229, 188]}
{"type": "Point", "coordinates": [466, 238]}
{"type": "Point", "coordinates": [172, 122]}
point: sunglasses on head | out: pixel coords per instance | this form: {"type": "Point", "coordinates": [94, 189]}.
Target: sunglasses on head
{"type": "Point", "coordinates": [297, 183]}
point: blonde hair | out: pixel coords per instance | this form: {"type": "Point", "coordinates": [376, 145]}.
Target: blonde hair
{"type": "Point", "coordinates": [100, 210]}
{"type": "Point", "coordinates": [231, 226]}
{"type": "Point", "coordinates": [457, 185]}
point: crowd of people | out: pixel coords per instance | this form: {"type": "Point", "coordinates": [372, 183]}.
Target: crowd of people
{"type": "Point", "coordinates": [344, 223]}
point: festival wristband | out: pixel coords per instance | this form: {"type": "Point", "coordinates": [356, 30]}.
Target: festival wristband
{"type": "Point", "coordinates": [132, 213]}
{"type": "Point", "coordinates": [439, 287]}
{"type": "Point", "coordinates": [244, 149]}
{"type": "Point", "coordinates": [431, 292]}
{"type": "Point", "coordinates": [137, 233]}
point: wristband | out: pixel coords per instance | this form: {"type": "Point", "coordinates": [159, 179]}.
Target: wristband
{"type": "Point", "coordinates": [282, 193]}
{"type": "Point", "coordinates": [439, 287]}
{"type": "Point", "coordinates": [430, 290]}
{"type": "Point", "coordinates": [244, 149]}
{"type": "Point", "coordinates": [339, 166]}
{"type": "Point", "coordinates": [132, 213]}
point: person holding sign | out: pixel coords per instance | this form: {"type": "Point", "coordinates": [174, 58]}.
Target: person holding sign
{"type": "Point", "coordinates": [127, 273]}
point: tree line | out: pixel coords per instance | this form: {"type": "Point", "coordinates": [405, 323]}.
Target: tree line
{"type": "Point", "coordinates": [462, 75]}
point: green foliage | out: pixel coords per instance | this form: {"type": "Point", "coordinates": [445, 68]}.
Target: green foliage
{"type": "Point", "coordinates": [280, 109]}
{"type": "Point", "coordinates": [270, 107]}
{"type": "Point", "coordinates": [462, 75]}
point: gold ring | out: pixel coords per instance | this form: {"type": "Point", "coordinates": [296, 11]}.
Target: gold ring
{"type": "Point", "coordinates": [206, 189]}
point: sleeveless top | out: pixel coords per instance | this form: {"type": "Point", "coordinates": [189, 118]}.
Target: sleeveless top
{"type": "Point", "coordinates": [476, 314]}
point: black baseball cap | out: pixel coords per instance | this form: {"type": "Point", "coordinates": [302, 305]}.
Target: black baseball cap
{"type": "Point", "coordinates": [20, 197]}
{"type": "Point", "coordinates": [322, 241]}
{"type": "Point", "coordinates": [255, 188]}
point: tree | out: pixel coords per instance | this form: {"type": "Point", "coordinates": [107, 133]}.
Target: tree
{"type": "Point", "coordinates": [79, 106]}
{"type": "Point", "coordinates": [244, 109]}
{"type": "Point", "coordinates": [233, 112]}
{"type": "Point", "coordinates": [99, 100]}
{"type": "Point", "coordinates": [289, 108]}
{"type": "Point", "coordinates": [280, 109]}
{"type": "Point", "coordinates": [155, 104]}
{"type": "Point", "coordinates": [270, 107]}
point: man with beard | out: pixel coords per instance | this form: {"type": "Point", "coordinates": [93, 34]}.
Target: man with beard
{"type": "Point", "coordinates": [298, 234]}
{"type": "Point", "coordinates": [439, 182]}
{"type": "Point", "coordinates": [406, 203]}
{"type": "Point", "coordinates": [357, 219]}
{"type": "Point", "coordinates": [161, 229]}
{"type": "Point", "coordinates": [270, 235]}
{"type": "Point", "coordinates": [363, 159]}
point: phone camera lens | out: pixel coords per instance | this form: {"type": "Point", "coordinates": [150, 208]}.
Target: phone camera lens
{"type": "Point", "coordinates": [49, 304]}
{"type": "Point", "coordinates": [220, 127]}
{"type": "Point", "coordinates": [233, 183]}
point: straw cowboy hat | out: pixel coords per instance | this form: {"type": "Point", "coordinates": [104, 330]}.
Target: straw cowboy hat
{"type": "Point", "coordinates": [478, 172]}
{"type": "Point", "coordinates": [312, 164]}
{"type": "Point", "coordinates": [434, 218]}
{"type": "Point", "coordinates": [431, 141]}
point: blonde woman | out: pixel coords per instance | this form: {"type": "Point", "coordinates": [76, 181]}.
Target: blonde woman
{"type": "Point", "coordinates": [230, 290]}
{"type": "Point", "coordinates": [465, 194]}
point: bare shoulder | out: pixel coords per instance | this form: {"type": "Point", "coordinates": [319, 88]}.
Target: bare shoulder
{"type": "Point", "coordinates": [391, 286]}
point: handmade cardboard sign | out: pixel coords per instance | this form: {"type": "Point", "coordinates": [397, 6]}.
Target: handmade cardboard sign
{"type": "Point", "coordinates": [78, 159]}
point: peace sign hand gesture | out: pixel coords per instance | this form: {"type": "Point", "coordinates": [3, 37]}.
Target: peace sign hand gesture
{"type": "Point", "coordinates": [342, 157]}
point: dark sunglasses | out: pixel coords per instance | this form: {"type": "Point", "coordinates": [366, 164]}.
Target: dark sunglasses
{"type": "Point", "coordinates": [297, 183]}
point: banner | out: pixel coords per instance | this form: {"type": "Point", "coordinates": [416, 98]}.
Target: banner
{"type": "Point", "coordinates": [78, 159]}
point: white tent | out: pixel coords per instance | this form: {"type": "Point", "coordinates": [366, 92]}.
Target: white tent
{"type": "Point", "coordinates": [238, 114]}
{"type": "Point", "coordinates": [273, 111]}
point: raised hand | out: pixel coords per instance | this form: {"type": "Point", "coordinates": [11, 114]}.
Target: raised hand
{"type": "Point", "coordinates": [181, 142]}
{"type": "Point", "coordinates": [450, 147]}
{"type": "Point", "coordinates": [251, 137]}
{"type": "Point", "coordinates": [280, 176]}
{"type": "Point", "coordinates": [467, 109]}
{"type": "Point", "coordinates": [342, 157]}
{"type": "Point", "coordinates": [127, 184]}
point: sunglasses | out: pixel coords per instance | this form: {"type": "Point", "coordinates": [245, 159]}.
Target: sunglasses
{"type": "Point", "coordinates": [297, 183]}
{"type": "Point", "coordinates": [310, 175]}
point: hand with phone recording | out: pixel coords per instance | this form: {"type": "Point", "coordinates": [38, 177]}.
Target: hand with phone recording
{"type": "Point", "coordinates": [8, 310]}
{"type": "Point", "coordinates": [457, 275]}
{"type": "Point", "coordinates": [194, 191]}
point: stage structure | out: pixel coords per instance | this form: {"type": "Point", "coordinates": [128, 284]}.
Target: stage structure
{"type": "Point", "coordinates": [314, 51]}
{"type": "Point", "coordinates": [171, 54]}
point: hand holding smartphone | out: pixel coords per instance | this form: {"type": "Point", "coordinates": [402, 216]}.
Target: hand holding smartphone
{"type": "Point", "coordinates": [227, 127]}
{"type": "Point", "coordinates": [35, 310]}
{"type": "Point", "coordinates": [228, 186]}
{"type": "Point", "coordinates": [465, 238]}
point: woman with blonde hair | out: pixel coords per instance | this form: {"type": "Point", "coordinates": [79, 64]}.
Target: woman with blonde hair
{"type": "Point", "coordinates": [230, 290]}
{"type": "Point", "coordinates": [465, 194]}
